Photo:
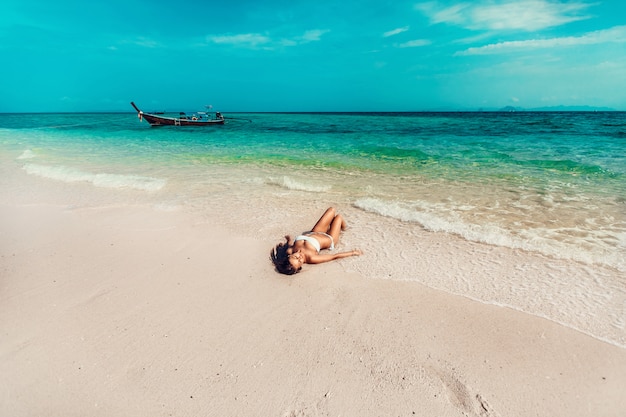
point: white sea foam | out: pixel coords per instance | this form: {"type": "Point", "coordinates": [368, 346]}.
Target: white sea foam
{"type": "Point", "coordinates": [435, 223]}
{"type": "Point", "coordinates": [542, 240]}
{"type": "Point", "coordinates": [291, 184]}
{"type": "Point", "coordinates": [27, 154]}
{"type": "Point", "coordinates": [588, 297]}
{"type": "Point", "coordinates": [68, 174]}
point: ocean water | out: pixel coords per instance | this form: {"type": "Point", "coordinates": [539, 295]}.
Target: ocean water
{"type": "Point", "coordinates": [536, 202]}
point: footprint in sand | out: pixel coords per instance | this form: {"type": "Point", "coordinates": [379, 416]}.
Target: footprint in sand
{"type": "Point", "coordinates": [461, 396]}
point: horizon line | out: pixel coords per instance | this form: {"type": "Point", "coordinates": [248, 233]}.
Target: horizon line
{"type": "Point", "coordinates": [556, 109]}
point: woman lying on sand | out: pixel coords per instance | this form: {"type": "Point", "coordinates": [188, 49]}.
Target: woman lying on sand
{"type": "Point", "coordinates": [289, 257]}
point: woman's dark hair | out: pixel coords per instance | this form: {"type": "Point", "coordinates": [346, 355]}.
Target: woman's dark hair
{"type": "Point", "coordinates": [280, 258]}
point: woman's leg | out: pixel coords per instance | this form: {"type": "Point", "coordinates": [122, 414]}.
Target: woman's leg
{"type": "Point", "coordinates": [336, 226]}
{"type": "Point", "coordinates": [323, 224]}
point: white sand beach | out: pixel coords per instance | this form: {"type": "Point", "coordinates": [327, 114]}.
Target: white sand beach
{"type": "Point", "coordinates": [127, 310]}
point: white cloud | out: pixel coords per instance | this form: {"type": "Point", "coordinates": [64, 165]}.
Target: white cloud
{"type": "Point", "coordinates": [243, 39]}
{"type": "Point", "coordinates": [395, 32]}
{"type": "Point", "coordinates": [439, 14]}
{"type": "Point", "coordinates": [414, 43]}
{"type": "Point", "coordinates": [616, 34]}
{"type": "Point", "coordinates": [140, 41]}
{"type": "Point", "coordinates": [527, 15]}
{"type": "Point", "coordinates": [287, 42]}
{"type": "Point", "coordinates": [254, 40]}
{"type": "Point", "coordinates": [313, 35]}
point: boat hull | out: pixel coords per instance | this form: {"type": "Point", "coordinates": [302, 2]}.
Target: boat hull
{"type": "Point", "coordinates": [172, 121]}
{"type": "Point", "coordinates": [200, 120]}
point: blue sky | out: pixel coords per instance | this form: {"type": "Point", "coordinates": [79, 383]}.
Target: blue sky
{"type": "Point", "coordinates": [279, 55]}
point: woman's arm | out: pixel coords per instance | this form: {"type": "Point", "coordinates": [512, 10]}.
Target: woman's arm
{"type": "Point", "coordinates": [327, 257]}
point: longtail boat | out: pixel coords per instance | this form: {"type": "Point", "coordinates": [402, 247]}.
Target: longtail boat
{"type": "Point", "coordinates": [196, 119]}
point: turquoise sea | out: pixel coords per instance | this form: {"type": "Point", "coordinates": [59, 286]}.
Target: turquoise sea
{"type": "Point", "coordinates": [546, 185]}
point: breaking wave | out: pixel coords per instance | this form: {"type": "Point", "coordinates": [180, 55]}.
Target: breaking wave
{"type": "Point", "coordinates": [67, 174]}
{"type": "Point", "coordinates": [27, 154]}
{"type": "Point", "coordinates": [538, 240]}
{"type": "Point", "coordinates": [294, 185]}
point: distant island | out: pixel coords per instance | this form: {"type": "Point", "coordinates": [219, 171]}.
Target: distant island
{"type": "Point", "coordinates": [557, 108]}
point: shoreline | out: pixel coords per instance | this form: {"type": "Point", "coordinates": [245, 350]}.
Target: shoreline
{"type": "Point", "coordinates": [129, 310]}
{"type": "Point", "coordinates": [584, 297]}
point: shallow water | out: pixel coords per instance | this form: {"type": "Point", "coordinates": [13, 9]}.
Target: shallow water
{"type": "Point", "coordinates": [413, 185]}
